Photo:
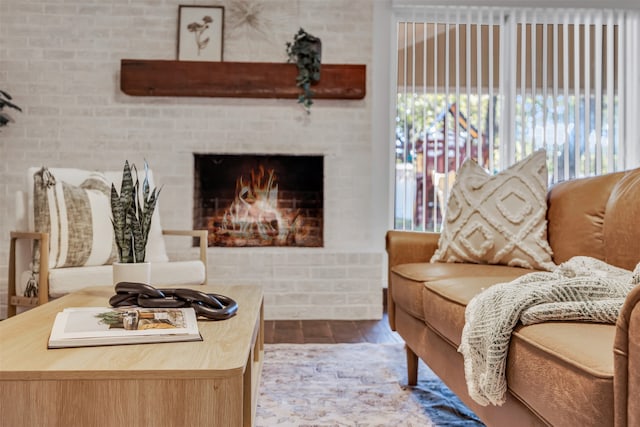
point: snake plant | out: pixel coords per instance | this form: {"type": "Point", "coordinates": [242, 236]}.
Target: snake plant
{"type": "Point", "coordinates": [131, 220]}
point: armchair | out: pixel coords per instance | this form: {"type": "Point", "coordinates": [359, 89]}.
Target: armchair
{"type": "Point", "coordinates": [70, 207]}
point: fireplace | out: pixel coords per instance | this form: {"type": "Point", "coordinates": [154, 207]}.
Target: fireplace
{"type": "Point", "coordinates": [248, 200]}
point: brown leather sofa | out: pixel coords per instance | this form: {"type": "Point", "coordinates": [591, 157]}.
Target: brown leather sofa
{"type": "Point", "coordinates": [558, 373]}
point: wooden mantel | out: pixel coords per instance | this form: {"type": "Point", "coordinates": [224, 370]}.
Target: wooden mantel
{"type": "Point", "coordinates": [237, 79]}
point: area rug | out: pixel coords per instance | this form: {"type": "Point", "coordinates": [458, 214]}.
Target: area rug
{"type": "Point", "coordinates": [352, 385]}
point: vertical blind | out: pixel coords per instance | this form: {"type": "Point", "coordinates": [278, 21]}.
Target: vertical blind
{"type": "Point", "coordinates": [496, 84]}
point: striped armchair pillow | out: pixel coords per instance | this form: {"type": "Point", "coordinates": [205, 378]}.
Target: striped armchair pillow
{"type": "Point", "coordinates": [77, 219]}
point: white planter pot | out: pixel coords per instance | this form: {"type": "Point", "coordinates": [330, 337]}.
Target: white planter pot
{"type": "Point", "coordinates": [139, 272]}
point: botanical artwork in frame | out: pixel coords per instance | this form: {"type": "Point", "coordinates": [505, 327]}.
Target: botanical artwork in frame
{"type": "Point", "coordinates": [200, 33]}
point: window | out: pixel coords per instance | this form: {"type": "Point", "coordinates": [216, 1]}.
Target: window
{"type": "Point", "coordinates": [497, 84]}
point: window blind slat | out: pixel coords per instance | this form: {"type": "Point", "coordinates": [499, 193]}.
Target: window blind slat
{"type": "Point", "coordinates": [610, 91]}
{"type": "Point", "coordinates": [492, 97]}
{"type": "Point", "coordinates": [565, 85]}
{"type": "Point", "coordinates": [523, 83]}
{"type": "Point", "coordinates": [436, 107]}
{"type": "Point", "coordinates": [576, 79]}
{"type": "Point", "coordinates": [587, 96]}
{"type": "Point", "coordinates": [447, 70]}
{"type": "Point", "coordinates": [545, 79]}
{"type": "Point", "coordinates": [622, 53]}
{"type": "Point", "coordinates": [511, 118]}
{"type": "Point", "coordinates": [555, 58]}
{"type": "Point", "coordinates": [457, 115]}
{"type": "Point", "coordinates": [405, 142]}
{"type": "Point", "coordinates": [598, 94]}
{"type": "Point", "coordinates": [534, 69]}
{"type": "Point", "coordinates": [481, 131]}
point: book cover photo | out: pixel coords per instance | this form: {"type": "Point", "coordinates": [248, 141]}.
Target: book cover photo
{"type": "Point", "coordinates": [90, 326]}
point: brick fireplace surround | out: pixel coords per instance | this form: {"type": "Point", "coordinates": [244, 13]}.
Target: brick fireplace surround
{"type": "Point", "coordinates": [61, 62]}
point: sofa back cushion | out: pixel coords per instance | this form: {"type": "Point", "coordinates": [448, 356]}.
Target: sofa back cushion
{"type": "Point", "coordinates": [575, 216]}
{"type": "Point", "coordinates": [622, 222]}
{"type": "Point", "coordinates": [596, 217]}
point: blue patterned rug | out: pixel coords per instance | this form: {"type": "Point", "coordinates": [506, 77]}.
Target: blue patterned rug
{"type": "Point", "coordinates": [352, 385]}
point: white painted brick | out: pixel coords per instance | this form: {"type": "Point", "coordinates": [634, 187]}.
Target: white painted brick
{"type": "Point", "coordinates": [293, 299]}
{"type": "Point", "coordinates": [365, 298]}
{"type": "Point", "coordinates": [57, 9]}
{"type": "Point", "coordinates": [94, 10]}
{"type": "Point", "coordinates": [368, 272]}
{"type": "Point", "coordinates": [328, 272]}
{"type": "Point", "coordinates": [328, 299]}
{"type": "Point", "coordinates": [352, 286]}
{"type": "Point", "coordinates": [292, 272]}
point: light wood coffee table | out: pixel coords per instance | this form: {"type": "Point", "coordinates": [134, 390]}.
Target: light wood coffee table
{"type": "Point", "coordinates": [209, 383]}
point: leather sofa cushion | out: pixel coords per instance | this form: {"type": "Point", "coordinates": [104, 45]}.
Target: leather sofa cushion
{"type": "Point", "coordinates": [560, 369]}
{"type": "Point", "coordinates": [621, 231]}
{"type": "Point", "coordinates": [575, 215]}
{"type": "Point", "coordinates": [444, 301]}
{"type": "Point", "coordinates": [409, 282]}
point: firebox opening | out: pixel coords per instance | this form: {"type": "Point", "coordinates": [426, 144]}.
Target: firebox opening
{"type": "Point", "coordinates": [259, 200]}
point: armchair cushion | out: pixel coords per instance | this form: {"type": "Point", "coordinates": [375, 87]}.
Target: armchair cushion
{"type": "Point", "coordinates": [76, 218]}
{"type": "Point", "coordinates": [163, 274]}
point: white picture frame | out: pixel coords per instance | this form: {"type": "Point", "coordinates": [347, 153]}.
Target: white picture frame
{"type": "Point", "coordinates": [200, 33]}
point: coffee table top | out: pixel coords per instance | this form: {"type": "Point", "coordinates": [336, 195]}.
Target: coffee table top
{"type": "Point", "coordinates": [223, 352]}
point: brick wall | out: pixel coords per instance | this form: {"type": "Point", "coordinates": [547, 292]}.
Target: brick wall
{"type": "Point", "coordinates": [60, 61]}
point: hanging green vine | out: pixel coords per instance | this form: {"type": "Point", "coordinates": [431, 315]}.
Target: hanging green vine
{"type": "Point", "coordinates": [5, 101]}
{"type": "Point", "coordinates": [306, 52]}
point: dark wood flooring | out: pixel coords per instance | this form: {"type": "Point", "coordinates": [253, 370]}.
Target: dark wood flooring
{"type": "Point", "coordinates": [330, 331]}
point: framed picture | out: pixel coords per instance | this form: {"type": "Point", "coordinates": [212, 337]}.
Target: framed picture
{"type": "Point", "coordinates": [200, 33]}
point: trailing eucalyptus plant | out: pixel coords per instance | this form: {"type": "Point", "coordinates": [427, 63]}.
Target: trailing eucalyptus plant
{"type": "Point", "coordinates": [131, 220]}
{"type": "Point", "coordinates": [5, 101]}
{"type": "Point", "coordinates": [306, 52]}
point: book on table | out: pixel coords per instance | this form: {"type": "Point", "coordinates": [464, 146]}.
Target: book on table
{"type": "Point", "coordinates": [95, 326]}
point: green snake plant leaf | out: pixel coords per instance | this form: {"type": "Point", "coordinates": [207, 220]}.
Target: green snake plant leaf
{"type": "Point", "coordinates": [139, 243]}
{"type": "Point", "coordinates": [119, 207]}
{"type": "Point", "coordinates": [150, 199]}
{"type": "Point", "coordinates": [149, 208]}
{"type": "Point", "coordinates": [118, 217]}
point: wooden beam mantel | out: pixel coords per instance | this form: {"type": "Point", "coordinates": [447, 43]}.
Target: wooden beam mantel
{"type": "Point", "coordinates": [236, 79]}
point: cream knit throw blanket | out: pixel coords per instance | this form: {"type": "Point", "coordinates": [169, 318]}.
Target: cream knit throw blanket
{"type": "Point", "coordinates": [582, 288]}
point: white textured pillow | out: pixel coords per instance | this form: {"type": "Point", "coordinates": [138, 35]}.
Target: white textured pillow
{"type": "Point", "coordinates": [76, 218]}
{"type": "Point", "coordinates": [499, 219]}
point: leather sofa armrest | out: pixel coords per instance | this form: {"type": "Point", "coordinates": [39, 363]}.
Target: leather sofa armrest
{"type": "Point", "coordinates": [203, 240]}
{"type": "Point", "coordinates": [13, 300]}
{"type": "Point", "coordinates": [626, 363]}
{"type": "Point", "coordinates": [410, 246]}
{"type": "Point", "coordinates": [405, 247]}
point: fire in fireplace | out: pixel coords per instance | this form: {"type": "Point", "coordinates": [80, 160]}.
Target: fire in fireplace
{"type": "Point", "coordinates": [259, 200]}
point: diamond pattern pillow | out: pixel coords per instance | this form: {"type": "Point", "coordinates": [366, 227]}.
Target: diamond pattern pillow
{"type": "Point", "coordinates": [499, 219]}
{"type": "Point", "coordinates": [77, 219]}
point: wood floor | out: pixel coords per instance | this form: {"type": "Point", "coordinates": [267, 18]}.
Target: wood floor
{"type": "Point", "coordinates": [330, 331]}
